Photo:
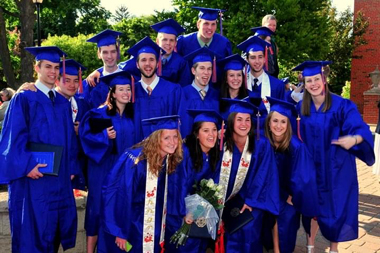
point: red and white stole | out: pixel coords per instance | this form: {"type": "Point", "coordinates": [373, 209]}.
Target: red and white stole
{"type": "Point", "coordinates": [150, 210]}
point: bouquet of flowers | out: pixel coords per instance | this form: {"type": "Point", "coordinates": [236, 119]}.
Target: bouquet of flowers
{"type": "Point", "coordinates": [201, 205]}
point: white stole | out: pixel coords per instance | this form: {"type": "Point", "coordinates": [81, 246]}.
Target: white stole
{"type": "Point", "coordinates": [150, 210]}
{"type": "Point", "coordinates": [265, 87]}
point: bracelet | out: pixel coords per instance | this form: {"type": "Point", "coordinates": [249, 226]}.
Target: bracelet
{"type": "Point", "coordinates": [356, 139]}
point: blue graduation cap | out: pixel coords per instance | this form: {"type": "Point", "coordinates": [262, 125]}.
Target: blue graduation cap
{"type": "Point", "coordinates": [311, 68]}
{"type": "Point", "coordinates": [241, 106]}
{"type": "Point", "coordinates": [208, 13]}
{"type": "Point", "coordinates": [49, 53]}
{"type": "Point", "coordinates": [105, 38]}
{"type": "Point", "coordinates": [169, 26]}
{"type": "Point", "coordinates": [205, 115]}
{"type": "Point", "coordinates": [232, 62]}
{"type": "Point", "coordinates": [118, 78]}
{"type": "Point", "coordinates": [253, 44]}
{"type": "Point", "coordinates": [262, 31]}
{"type": "Point", "coordinates": [282, 107]}
{"type": "Point", "coordinates": [146, 45]}
{"type": "Point", "coordinates": [72, 67]}
{"type": "Point", "coordinates": [285, 80]}
{"type": "Point", "coordinates": [203, 55]}
{"type": "Point", "coordinates": [164, 122]}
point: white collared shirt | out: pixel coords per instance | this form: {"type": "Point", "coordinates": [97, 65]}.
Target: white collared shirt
{"type": "Point", "coordinates": [152, 85]}
{"type": "Point", "coordinates": [42, 87]}
{"type": "Point", "coordinates": [107, 73]}
{"type": "Point", "coordinates": [74, 108]}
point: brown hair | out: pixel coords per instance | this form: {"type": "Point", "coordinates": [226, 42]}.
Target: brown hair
{"type": "Point", "coordinates": [112, 107]}
{"type": "Point", "coordinates": [306, 101]}
{"type": "Point", "coordinates": [150, 147]}
{"type": "Point", "coordinates": [285, 143]}
{"type": "Point", "coordinates": [230, 130]}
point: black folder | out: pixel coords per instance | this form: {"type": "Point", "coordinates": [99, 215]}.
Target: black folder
{"type": "Point", "coordinates": [199, 230]}
{"type": "Point", "coordinates": [97, 125]}
{"type": "Point", "coordinates": [49, 154]}
{"type": "Point", "coordinates": [233, 219]}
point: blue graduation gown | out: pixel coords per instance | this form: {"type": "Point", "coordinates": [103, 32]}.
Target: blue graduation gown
{"type": "Point", "coordinates": [181, 186]}
{"type": "Point", "coordinates": [39, 209]}
{"type": "Point", "coordinates": [97, 95]}
{"type": "Point", "coordinates": [260, 191]}
{"type": "Point", "coordinates": [193, 100]}
{"type": "Point", "coordinates": [124, 198]}
{"type": "Point", "coordinates": [298, 179]}
{"type": "Point", "coordinates": [189, 43]}
{"type": "Point", "coordinates": [337, 181]}
{"type": "Point", "coordinates": [102, 156]}
{"type": "Point", "coordinates": [165, 100]}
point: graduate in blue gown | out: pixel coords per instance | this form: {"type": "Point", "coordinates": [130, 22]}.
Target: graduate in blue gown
{"type": "Point", "coordinates": [233, 83]}
{"type": "Point", "coordinates": [200, 160]}
{"type": "Point", "coordinates": [135, 194]}
{"type": "Point", "coordinates": [248, 168]}
{"type": "Point", "coordinates": [154, 95]}
{"type": "Point", "coordinates": [105, 147]}
{"type": "Point", "coordinates": [335, 134]}
{"type": "Point", "coordinates": [257, 78]}
{"type": "Point", "coordinates": [199, 94]}
{"type": "Point", "coordinates": [298, 187]}
{"type": "Point", "coordinates": [206, 35]}
{"type": "Point", "coordinates": [42, 208]}
{"type": "Point", "coordinates": [109, 53]}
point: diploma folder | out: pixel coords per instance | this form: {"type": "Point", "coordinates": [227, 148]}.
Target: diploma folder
{"type": "Point", "coordinates": [49, 154]}
{"type": "Point", "coordinates": [233, 219]}
{"type": "Point", "coordinates": [97, 125]}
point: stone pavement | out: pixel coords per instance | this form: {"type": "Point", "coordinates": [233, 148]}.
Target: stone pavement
{"type": "Point", "coordinates": [369, 218]}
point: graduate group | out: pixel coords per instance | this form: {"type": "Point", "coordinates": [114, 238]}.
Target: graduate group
{"type": "Point", "coordinates": [137, 135]}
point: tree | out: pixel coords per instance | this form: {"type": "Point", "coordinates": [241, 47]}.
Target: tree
{"type": "Point", "coordinates": [121, 13]}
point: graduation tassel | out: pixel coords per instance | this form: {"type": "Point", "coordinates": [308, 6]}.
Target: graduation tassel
{"type": "Point", "coordinates": [271, 50]}
{"type": "Point", "coordinates": [246, 77]}
{"type": "Point", "coordinates": [162, 247]}
{"type": "Point", "coordinates": [214, 70]}
{"type": "Point", "coordinates": [324, 83]}
{"type": "Point", "coordinates": [221, 22]}
{"type": "Point", "coordinates": [64, 69]}
{"type": "Point", "coordinates": [160, 65]}
{"type": "Point", "coordinates": [133, 88]}
{"type": "Point", "coordinates": [258, 126]}
{"type": "Point", "coordinates": [118, 48]}
{"type": "Point", "coordinates": [219, 244]}
{"type": "Point", "coordinates": [80, 81]}
{"type": "Point", "coordinates": [221, 136]}
{"type": "Point", "coordinates": [299, 128]}
{"type": "Point", "coordinates": [266, 58]}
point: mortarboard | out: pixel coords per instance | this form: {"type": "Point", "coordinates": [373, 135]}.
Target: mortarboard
{"type": "Point", "coordinates": [49, 53]}
{"type": "Point", "coordinates": [285, 80]}
{"type": "Point", "coordinates": [203, 55]}
{"type": "Point", "coordinates": [118, 78]}
{"type": "Point", "coordinates": [169, 26]}
{"type": "Point", "coordinates": [232, 62]}
{"type": "Point", "coordinates": [282, 107]}
{"type": "Point", "coordinates": [311, 68]}
{"type": "Point", "coordinates": [105, 38]}
{"type": "Point", "coordinates": [208, 13]}
{"type": "Point", "coordinates": [253, 44]}
{"type": "Point", "coordinates": [164, 122]}
{"type": "Point", "coordinates": [262, 31]}
{"type": "Point", "coordinates": [146, 45]}
{"type": "Point", "coordinates": [241, 106]}
{"type": "Point", "coordinates": [205, 115]}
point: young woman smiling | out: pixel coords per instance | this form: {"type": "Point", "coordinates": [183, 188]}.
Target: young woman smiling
{"type": "Point", "coordinates": [334, 134]}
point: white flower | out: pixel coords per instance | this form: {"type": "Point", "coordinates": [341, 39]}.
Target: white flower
{"type": "Point", "coordinates": [210, 183]}
{"type": "Point", "coordinates": [219, 188]}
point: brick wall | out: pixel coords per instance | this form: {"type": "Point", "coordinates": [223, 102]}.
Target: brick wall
{"type": "Point", "coordinates": [370, 110]}
{"type": "Point", "coordinates": [370, 57]}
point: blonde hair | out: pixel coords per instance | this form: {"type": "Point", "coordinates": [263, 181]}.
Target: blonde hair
{"type": "Point", "coordinates": [285, 143]}
{"type": "Point", "coordinates": [150, 147]}
{"type": "Point", "coordinates": [266, 18]}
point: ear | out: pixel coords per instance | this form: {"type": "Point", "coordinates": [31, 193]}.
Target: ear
{"type": "Point", "coordinates": [193, 70]}
{"type": "Point", "coordinates": [36, 68]}
{"type": "Point", "coordinates": [99, 54]}
{"type": "Point", "coordinates": [199, 23]}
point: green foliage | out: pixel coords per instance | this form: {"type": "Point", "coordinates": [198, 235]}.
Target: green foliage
{"type": "Point", "coordinates": [346, 91]}
{"type": "Point", "coordinates": [121, 13]}
{"type": "Point", "coordinates": [78, 49]}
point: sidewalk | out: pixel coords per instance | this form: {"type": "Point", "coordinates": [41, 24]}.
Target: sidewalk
{"type": "Point", "coordinates": [369, 218]}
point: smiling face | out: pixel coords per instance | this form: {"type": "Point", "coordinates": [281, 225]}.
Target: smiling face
{"type": "Point", "coordinates": [242, 124]}
{"type": "Point", "coordinates": [122, 94]}
{"type": "Point", "coordinates": [234, 79]}
{"type": "Point", "coordinates": [278, 125]}
{"type": "Point", "coordinates": [207, 136]}
{"type": "Point", "coordinates": [168, 141]}
{"type": "Point", "coordinates": [202, 73]}
{"type": "Point", "coordinates": [69, 87]}
{"type": "Point", "coordinates": [256, 61]}
{"type": "Point", "coordinates": [48, 72]}
{"type": "Point", "coordinates": [167, 42]}
{"type": "Point", "coordinates": [272, 24]}
{"type": "Point", "coordinates": [108, 54]}
{"type": "Point", "coordinates": [147, 64]}
{"type": "Point", "coordinates": [314, 85]}
{"type": "Point", "coordinates": [206, 29]}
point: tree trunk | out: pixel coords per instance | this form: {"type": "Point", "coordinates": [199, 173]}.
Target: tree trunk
{"type": "Point", "coordinates": [27, 20]}
{"type": "Point", "coordinates": [4, 54]}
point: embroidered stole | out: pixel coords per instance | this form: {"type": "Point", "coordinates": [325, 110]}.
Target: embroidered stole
{"type": "Point", "coordinates": [150, 210]}
{"type": "Point", "coordinates": [265, 88]}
